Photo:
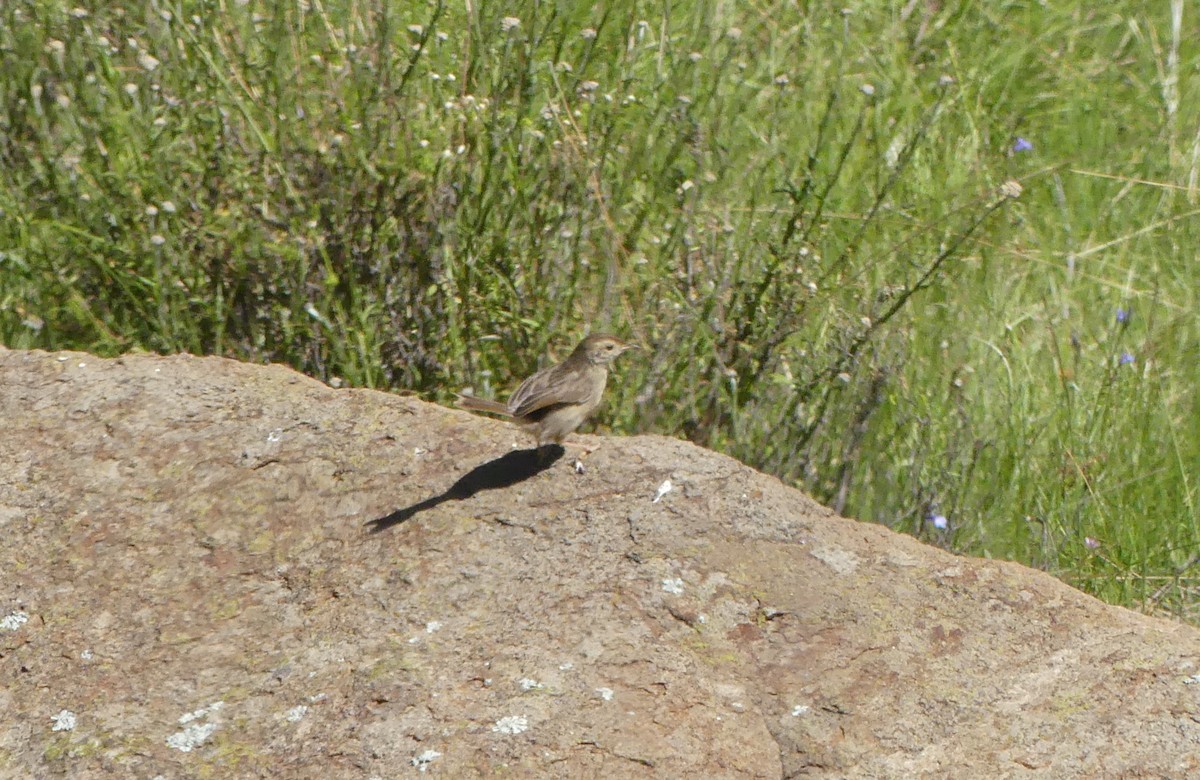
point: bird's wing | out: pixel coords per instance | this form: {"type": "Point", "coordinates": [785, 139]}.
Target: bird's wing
{"type": "Point", "coordinates": [554, 386]}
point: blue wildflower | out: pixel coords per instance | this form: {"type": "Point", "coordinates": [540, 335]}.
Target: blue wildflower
{"type": "Point", "coordinates": [1022, 145]}
{"type": "Point", "coordinates": [939, 522]}
{"type": "Point", "coordinates": [1126, 358]}
{"type": "Point", "coordinates": [1122, 316]}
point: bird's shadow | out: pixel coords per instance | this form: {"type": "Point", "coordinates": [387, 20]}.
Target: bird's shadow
{"type": "Point", "coordinates": [505, 471]}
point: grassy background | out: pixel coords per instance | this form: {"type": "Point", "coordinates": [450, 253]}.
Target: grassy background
{"type": "Point", "coordinates": [801, 208]}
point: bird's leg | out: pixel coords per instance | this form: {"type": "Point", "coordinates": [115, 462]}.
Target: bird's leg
{"type": "Point", "coordinates": [584, 451]}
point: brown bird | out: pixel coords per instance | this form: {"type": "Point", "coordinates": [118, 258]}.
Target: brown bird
{"type": "Point", "coordinates": [555, 401]}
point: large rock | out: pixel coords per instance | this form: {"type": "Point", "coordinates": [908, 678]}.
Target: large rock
{"type": "Point", "coordinates": [192, 577]}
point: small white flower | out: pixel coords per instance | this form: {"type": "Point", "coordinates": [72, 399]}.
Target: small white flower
{"type": "Point", "coordinates": [782, 80]}
{"type": "Point", "coordinates": [157, 240]}
{"type": "Point", "coordinates": [588, 86]}
{"type": "Point", "coordinates": [79, 13]}
{"type": "Point", "coordinates": [511, 724]}
{"type": "Point", "coordinates": [867, 89]}
{"type": "Point", "coordinates": [733, 33]}
{"type": "Point", "coordinates": [588, 34]}
{"type": "Point", "coordinates": [152, 210]}
{"type": "Point", "coordinates": [695, 56]}
{"type": "Point", "coordinates": [167, 206]}
{"type": "Point", "coordinates": [416, 29]}
{"type": "Point", "coordinates": [147, 62]}
{"type": "Point", "coordinates": [509, 23]}
{"type": "Point", "coordinates": [56, 46]}
{"type": "Point", "coordinates": [130, 89]}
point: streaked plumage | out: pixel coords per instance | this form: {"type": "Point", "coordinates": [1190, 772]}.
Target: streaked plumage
{"type": "Point", "coordinates": [555, 401]}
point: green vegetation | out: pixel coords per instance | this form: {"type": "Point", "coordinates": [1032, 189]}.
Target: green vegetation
{"type": "Point", "coordinates": [803, 211]}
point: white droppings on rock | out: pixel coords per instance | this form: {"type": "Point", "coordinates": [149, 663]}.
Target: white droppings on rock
{"type": "Point", "coordinates": [528, 685]}
{"type": "Point", "coordinates": [663, 489]}
{"type": "Point", "coordinates": [423, 761]}
{"type": "Point", "coordinates": [63, 721]}
{"type": "Point", "coordinates": [800, 709]}
{"type": "Point", "coordinates": [13, 620]}
{"type": "Point", "coordinates": [673, 585]}
{"type": "Point", "coordinates": [605, 693]}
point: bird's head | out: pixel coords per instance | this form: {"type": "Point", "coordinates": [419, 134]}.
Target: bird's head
{"type": "Point", "coordinates": [602, 349]}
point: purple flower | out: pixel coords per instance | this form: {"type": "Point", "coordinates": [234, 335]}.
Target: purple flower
{"type": "Point", "coordinates": [1091, 543]}
{"type": "Point", "coordinates": [1126, 358]}
{"type": "Point", "coordinates": [1022, 145]}
{"type": "Point", "coordinates": [1123, 316]}
{"type": "Point", "coordinates": [939, 522]}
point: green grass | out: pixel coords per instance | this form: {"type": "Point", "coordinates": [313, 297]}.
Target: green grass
{"type": "Point", "coordinates": [800, 212]}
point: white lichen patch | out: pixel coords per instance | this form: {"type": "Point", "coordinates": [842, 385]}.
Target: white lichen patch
{"type": "Point", "coordinates": [673, 585]}
{"type": "Point", "coordinates": [841, 561]}
{"type": "Point", "coordinates": [423, 761]}
{"type": "Point", "coordinates": [605, 693]}
{"type": "Point", "coordinates": [511, 724]}
{"type": "Point", "coordinates": [13, 620]}
{"type": "Point", "coordinates": [191, 737]}
{"type": "Point", "coordinates": [194, 734]}
{"type": "Point", "coordinates": [203, 712]}
{"type": "Point", "coordinates": [800, 709]}
{"type": "Point", "coordinates": [432, 626]}
{"type": "Point", "coordinates": [63, 721]}
{"type": "Point", "coordinates": [528, 685]}
{"type": "Point", "coordinates": [297, 713]}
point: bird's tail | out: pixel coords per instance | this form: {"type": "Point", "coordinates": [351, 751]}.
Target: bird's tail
{"type": "Point", "coordinates": [482, 405]}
